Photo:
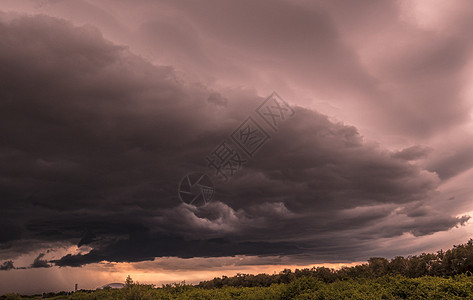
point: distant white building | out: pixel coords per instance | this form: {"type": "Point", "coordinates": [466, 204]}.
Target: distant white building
{"type": "Point", "coordinates": [112, 286]}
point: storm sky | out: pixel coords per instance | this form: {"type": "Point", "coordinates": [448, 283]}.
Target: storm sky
{"type": "Point", "coordinates": [106, 105]}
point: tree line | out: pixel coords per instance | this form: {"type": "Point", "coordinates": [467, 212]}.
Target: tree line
{"type": "Point", "coordinates": [441, 275]}
{"type": "Point", "coordinates": [455, 261]}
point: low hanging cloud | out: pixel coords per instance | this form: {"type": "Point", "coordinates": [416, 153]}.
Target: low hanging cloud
{"type": "Point", "coordinates": [413, 153]}
{"type": "Point", "coordinates": [39, 262]}
{"type": "Point", "coordinates": [7, 265]}
{"type": "Point", "coordinates": [95, 140]}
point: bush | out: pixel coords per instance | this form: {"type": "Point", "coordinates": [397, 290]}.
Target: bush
{"type": "Point", "coordinates": [300, 286]}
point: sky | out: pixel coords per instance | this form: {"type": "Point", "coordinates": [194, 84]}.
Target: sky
{"type": "Point", "coordinates": [108, 107]}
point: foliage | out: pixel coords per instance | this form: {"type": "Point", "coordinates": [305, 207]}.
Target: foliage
{"type": "Point", "coordinates": [441, 275]}
{"type": "Point", "coordinates": [304, 287]}
{"type": "Point", "coordinates": [457, 260]}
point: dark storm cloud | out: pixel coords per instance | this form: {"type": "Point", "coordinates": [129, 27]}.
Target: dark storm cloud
{"type": "Point", "coordinates": [95, 140]}
{"type": "Point", "coordinates": [39, 262]}
{"type": "Point", "coordinates": [7, 265]}
{"type": "Point", "coordinates": [146, 247]}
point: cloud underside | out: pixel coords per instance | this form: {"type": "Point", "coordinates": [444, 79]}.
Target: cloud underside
{"type": "Point", "coordinates": [96, 139]}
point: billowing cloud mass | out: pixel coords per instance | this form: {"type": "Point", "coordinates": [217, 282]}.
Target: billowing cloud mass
{"type": "Point", "coordinates": [101, 117]}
